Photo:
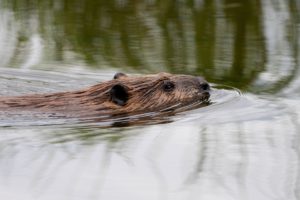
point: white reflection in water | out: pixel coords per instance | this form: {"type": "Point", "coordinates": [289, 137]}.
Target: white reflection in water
{"type": "Point", "coordinates": [8, 37]}
{"type": "Point", "coordinates": [280, 52]}
{"type": "Point", "coordinates": [35, 49]}
{"type": "Point", "coordinates": [211, 159]}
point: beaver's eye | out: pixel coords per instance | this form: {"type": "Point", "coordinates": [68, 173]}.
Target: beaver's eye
{"type": "Point", "coordinates": [168, 86]}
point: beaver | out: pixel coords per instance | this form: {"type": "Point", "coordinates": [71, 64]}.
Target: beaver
{"type": "Point", "coordinates": [123, 95]}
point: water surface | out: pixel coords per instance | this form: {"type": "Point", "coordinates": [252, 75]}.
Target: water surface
{"type": "Point", "coordinates": [245, 145]}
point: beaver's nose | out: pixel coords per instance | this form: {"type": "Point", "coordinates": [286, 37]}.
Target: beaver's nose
{"type": "Point", "coordinates": [203, 84]}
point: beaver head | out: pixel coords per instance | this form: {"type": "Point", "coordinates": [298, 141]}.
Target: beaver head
{"type": "Point", "coordinates": [126, 94]}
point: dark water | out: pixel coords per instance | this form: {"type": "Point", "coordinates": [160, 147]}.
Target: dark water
{"type": "Point", "coordinates": [243, 146]}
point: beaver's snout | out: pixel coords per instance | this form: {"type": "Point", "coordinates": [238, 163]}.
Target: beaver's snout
{"type": "Point", "coordinates": [204, 88]}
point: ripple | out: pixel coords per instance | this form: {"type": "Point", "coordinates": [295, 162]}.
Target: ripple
{"type": "Point", "coordinates": [230, 105]}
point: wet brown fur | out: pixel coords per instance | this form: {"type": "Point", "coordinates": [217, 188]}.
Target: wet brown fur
{"type": "Point", "coordinates": [145, 94]}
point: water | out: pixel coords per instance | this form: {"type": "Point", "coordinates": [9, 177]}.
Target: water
{"type": "Point", "coordinates": [245, 145]}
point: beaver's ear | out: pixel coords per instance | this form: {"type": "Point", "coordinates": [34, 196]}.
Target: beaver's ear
{"type": "Point", "coordinates": [119, 94]}
{"type": "Point", "coordinates": [119, 75]}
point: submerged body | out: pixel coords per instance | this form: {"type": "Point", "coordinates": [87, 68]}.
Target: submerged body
{"type": "Point", "coordinates": [123, 95]}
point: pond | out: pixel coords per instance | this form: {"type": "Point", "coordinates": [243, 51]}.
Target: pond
{"type": "Point", "coordinates": [245, 145]}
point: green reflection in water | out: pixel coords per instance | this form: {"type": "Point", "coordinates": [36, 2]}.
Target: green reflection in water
{"type": "Point", "coordinates": [226, 41]}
